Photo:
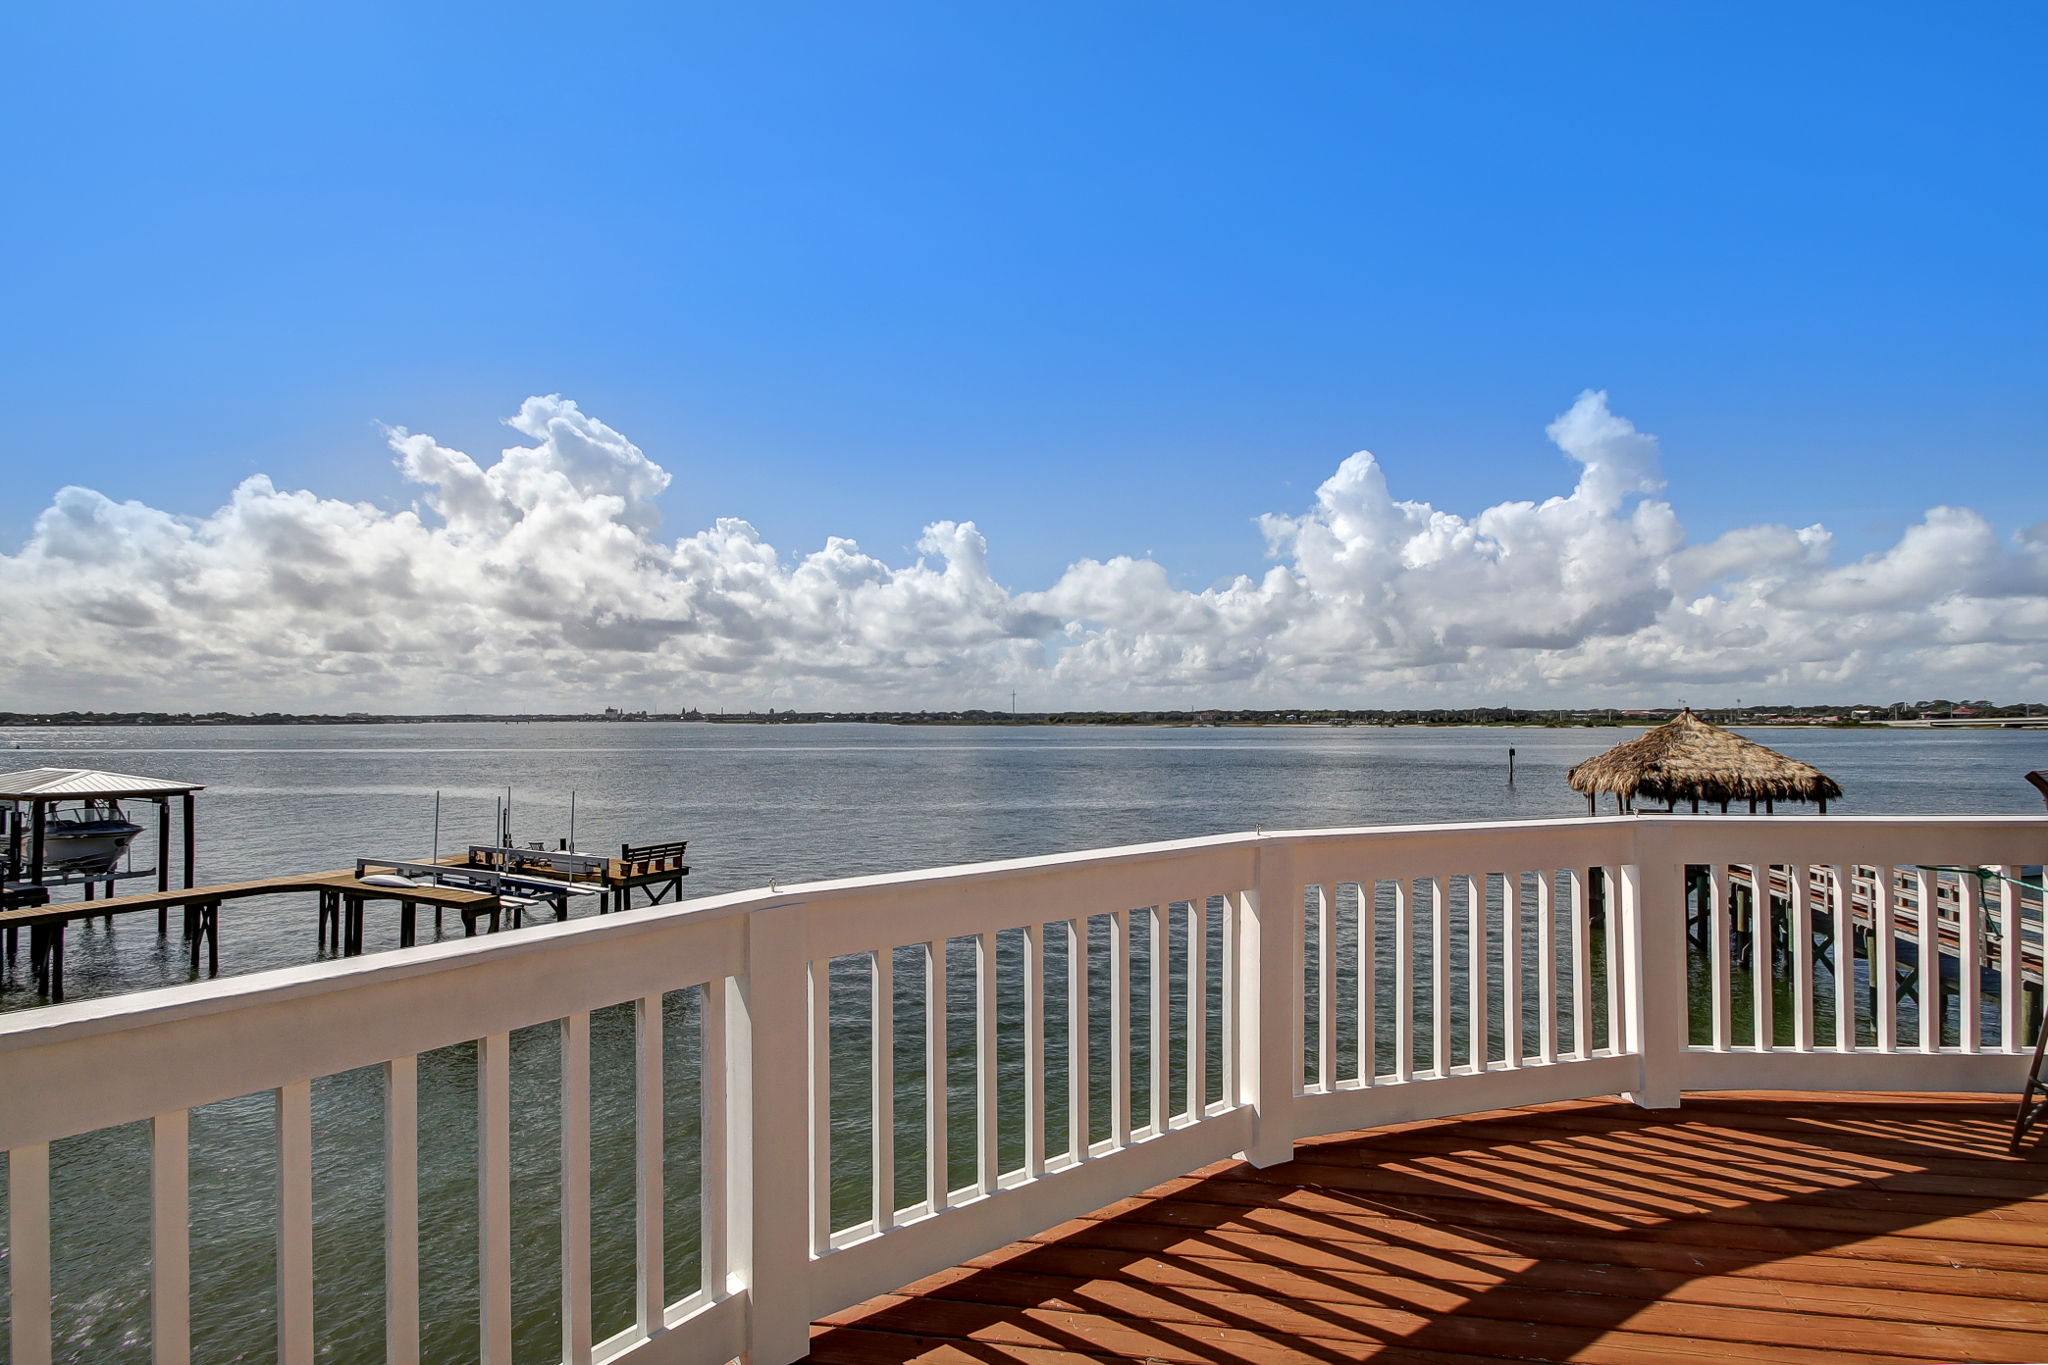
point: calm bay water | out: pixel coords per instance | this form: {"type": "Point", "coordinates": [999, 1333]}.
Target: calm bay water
{"type": "Point", "coordinates": [756, 802]}
{"type": "Point", "coordinates": [802, 802]}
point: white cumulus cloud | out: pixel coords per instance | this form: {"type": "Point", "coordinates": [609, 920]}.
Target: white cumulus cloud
{"type": "Point", "coordinates": [543, 579]}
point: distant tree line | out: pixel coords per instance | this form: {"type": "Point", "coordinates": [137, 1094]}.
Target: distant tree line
{"type": "Point", "coordinates": [1758, 714]}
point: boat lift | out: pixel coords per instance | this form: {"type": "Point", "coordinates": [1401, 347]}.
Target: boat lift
{"type": "Point", "coordinates": [517, 891]}
{"type": "Point", "coordinates": [32, 843]}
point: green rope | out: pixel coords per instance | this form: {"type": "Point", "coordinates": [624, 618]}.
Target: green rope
{"type": "Point", "coordinates": [1982, 874]}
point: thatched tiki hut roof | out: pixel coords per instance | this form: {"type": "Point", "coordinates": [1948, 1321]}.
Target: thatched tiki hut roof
{"type": "Point", "coordinates": [1686, 759]}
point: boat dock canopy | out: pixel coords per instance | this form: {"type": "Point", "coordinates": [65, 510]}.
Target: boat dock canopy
{"type": "Point", "coordinates": [86, 784]}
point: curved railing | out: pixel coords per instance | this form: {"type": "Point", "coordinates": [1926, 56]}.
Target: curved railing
{"type": "Point", "coordinates": [885, 1076]}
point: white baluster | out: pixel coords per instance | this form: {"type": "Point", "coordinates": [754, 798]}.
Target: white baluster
{"type": "Point", "coordinates": [1440, 975]}
{"type": "Point", "coordinates": [1969, 960]}
{"type": "Point", "coordinates": [1156, 950]}
{"type": "Point", "coordinates": [575, 1099]}
{"type": "Point", "coordinates": [649, 1250]}
{"type": "Point", "coordinates": [1611, 944]}
{"type": "Point", "coordinates": [1325, 913]}
{"type": "Point", "coordinates": [1077, 1037]}
{"type": "Point", "coordinates": [986, 1153]}
{"type": "Point", "coordinates": [1404, 980]}
{"type": "Point", "coordinates": [1844, 901]}
{"type": "Point", "coordinates": [295, 1224]}
{"type": "Point", "coordinates": [1478, 974]}
{"type": "Point", "coordinates": [1929, 887]}
{"type": "Point", "coordinates": [2008, 960]}
{"type": "Point", "coordinates": [1034, 1051]}
{"type": "Point", "coordinates": [1120, 1029]}
{"type": "Point", "coordinates": [1883, 957]}
{"type": "Point", "coordinates": [1801, 933]}
{"type": "Point", "coordinates": [1720, 953]}
{"type": "Point", "coordinates": [1198, 1007]}
{"type": "Point", "coordinates": [1229, 1007]}
{"type": "Point", "coordinates": [882, 1087]}
{"type": "Point", "coordinates": [937, 1184]}
{"type": "Point", "coordinates": [401, 1211]}
{"type": "Point", "coordinates": [170, 1283]}
{"type": "Point", "coordinates": [716, 1012]}
{"type": "Point", "coordinates": [1546, 972]}
{"type": "Point", "coordinates": [494, 1198]}
{"type": "Point", "coordinates": [1368, 981]}
{"type": "Point", "coordinates": [1511, 968]}
{"type": "Point", "coordinates": [1582, 966]}
{"type": "Point", "coordinates": [1762, 959]}
{"type": "Point", "coordinates": [820, 984]}
{"type": "Point", "coordinates": [28, 1254]}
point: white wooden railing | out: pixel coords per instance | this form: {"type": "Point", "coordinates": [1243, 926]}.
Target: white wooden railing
{"type": "Point", "coordinates": [1236, 994]}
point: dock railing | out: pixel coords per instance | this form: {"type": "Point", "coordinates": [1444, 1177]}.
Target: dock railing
{"type": "Point", "coordinates": [1217, 983]}
{"type": "Point", "coordinates": [557, 862]}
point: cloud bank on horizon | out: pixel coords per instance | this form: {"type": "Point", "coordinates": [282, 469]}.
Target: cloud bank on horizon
{"type": "Point", "coordinates": [541, 581]}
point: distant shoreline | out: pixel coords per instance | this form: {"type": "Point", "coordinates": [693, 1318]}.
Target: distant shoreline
{"type": "Point", "coordinates": [1496, 717]}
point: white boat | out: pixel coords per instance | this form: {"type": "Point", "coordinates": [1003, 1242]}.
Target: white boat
{"type": "Point", "coordinates": [89, 839]}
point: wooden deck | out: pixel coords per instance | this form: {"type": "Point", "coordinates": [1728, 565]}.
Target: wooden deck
{"type": "Point", "coordinates": [1794, 1228]}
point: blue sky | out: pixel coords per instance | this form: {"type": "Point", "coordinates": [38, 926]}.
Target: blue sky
{"type": "Point", "coordinates": [1107, 279]}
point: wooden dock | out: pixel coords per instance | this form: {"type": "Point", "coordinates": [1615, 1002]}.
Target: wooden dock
{"type": "Point", "coordinates": [1800, 1229]}
{"type": "Point", "coordinates": [1900, 905]}
{"type": "Point", "coordinates": [342, 897]}
{"type": "Point", "coordinates": [655, 870]}
{"type": "Point", "coordinates": [494, 880]}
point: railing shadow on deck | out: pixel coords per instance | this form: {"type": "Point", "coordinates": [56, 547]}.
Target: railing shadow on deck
{"type": "Point", "coordinates": [1536, 1233]}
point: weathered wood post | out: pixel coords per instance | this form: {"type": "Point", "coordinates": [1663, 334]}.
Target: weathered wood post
{"type": "Point", "coordinates": [38, 815]}
{"type": "Point", "coordinates": [191, 837]}
{"type": "Point", "coordinates": [163, 861]}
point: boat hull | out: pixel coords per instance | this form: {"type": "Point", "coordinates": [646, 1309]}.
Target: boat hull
{"type": "Point", "coordinates": [86, 845]}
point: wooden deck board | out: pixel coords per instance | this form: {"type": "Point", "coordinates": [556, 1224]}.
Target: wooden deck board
{"type": "Point", "coordinates": [1793, 1228]}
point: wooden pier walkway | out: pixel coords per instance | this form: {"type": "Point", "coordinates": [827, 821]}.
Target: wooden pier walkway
{"type": "Point", "coordinates": [499, 879]}
{"type": "Point", "coordinates": [342, 896]}
{"type": "Point", "coordinates": [1801, 1229]}
{"type": "Point", "coordinates": [1903, 905]}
